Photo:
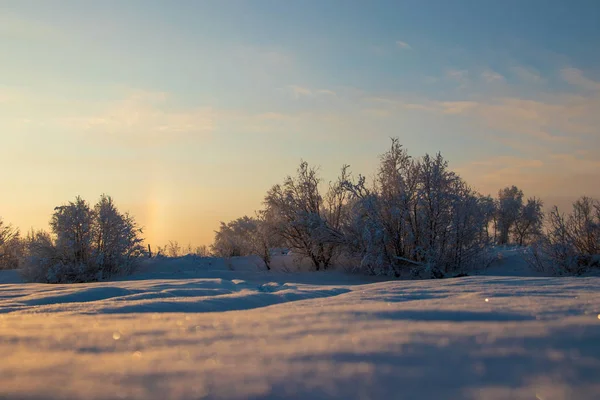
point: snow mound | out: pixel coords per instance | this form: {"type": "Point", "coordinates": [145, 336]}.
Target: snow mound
{"type": "Point", "coordinates": [181, 295]}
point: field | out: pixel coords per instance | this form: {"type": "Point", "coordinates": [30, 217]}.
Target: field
{"type": "Point", "coordinates": [193, 328]}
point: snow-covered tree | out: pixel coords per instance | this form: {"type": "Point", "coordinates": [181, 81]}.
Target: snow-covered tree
{"type": "Point", "coordinates": [298, 215]}
{"type": "Point", "coordinates": [41, 258]}
{"type": "Point", "coordinates": [243, 237]}
{"type": "Point", "coordinates": [117, 238]}
{"type": "Point", "coordinates": [510, 203]}
{"type": "Point", "coordinates": [85, 243]}
{"type": "Point", "coordinates": [528, 225]}
{"type": "Point", "coordinates": [72, 225]}
{"type": "Point", "coordinates": [572, 242]}
{"type": "Point", "coordinates": [418, 216]}
{"type": "Point", "coordinates": [11, 246]}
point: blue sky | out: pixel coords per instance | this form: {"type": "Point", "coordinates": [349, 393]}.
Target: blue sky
{"type": "Point", "coordinates": [187, 111]}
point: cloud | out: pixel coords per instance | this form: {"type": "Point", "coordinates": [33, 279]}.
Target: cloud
{"type": "Point", "coordinates": [459, 75]}
{"type": "Point", "coordinates": [144, 115]}
{"type": "Point", "coordinates": [457, 107]}
{"type": "Point", "coordinates": [491, 76]}
{"type": "Point", "coordinates": [297, 91]}
{"type": "Point", "coordinates": [545, 120]}
{"type": "Point", "coordinates": [403, 45]}
{"type": "Point", "coordinates": [132, 116]}
{"type": "Point", "coordinates": [327, 92]}
{"type": "Point", "coordinates": [527, 74]}
{"type": "Point", "coordinates": [576, 77]}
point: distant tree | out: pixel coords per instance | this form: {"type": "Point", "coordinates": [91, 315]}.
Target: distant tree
{"type": "Point", "coordinates": [571, 244]}
{"type": "Point", "coordinates": [489, 209]}
{"type": "Point", "coordinates": [528, 225]}
{"type": "Point", "coordinates": [173, 249]}
{"type": "Point", "coordinates": [201, 251]}
{"type": "Point", "coordinates": [510, 204]}
{"type": "Point", "coordinates": [243, 237]}
{"type": "Point", "coordinates": [11, 246]}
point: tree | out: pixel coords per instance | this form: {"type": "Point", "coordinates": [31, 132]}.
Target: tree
{"type": "Point", "coordinates": [243, 237]}
{"type": "Point", "coordinates": [72, 224]}
{"type": "Point", "coordinates": [419, 216]}
{"type": "Point", "coordinates": [510, 203]}
{"type": "Point", "coordinates": [572, 242]}
{"type": "Point", "coordinates": [85, 243]}
{"type": "Point", "coordinates": [117, 237]}
{"type": "Point", "coordinates": [11, 248]}
{"type": "Point", "coordinates": [297, 214]}
{"type": "Point", "coordinates": [41, 258]}
{"type": "Point", "coordinates": [528, 225]}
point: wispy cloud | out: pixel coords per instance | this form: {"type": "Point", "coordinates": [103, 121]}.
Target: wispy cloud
{"type": "Point", "coordinates": [144, 115]}
{"type": "Point", "coordinates": [458, 75]}
{"type": "Point", "coordinates": [298, 91]}
{"type": "Point", "coordinates": [457, 107]}
{"type": "Point", "coordinates": [526, 74]}
{"type": "Point", "coordinates": [136, 116]}
{"type": "Point", "coordinates": [576, 77]}
{"type": "Point", "coordinates": [326, 92]}
{"type": "Point", "coordinates": [403, 45]}
{"type": "Point", "coordinates": [548, 121]}
{"type": "Point", "coordinates": [491, 76]}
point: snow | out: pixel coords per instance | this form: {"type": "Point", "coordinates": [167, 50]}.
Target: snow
{"type": "Point", "coordinates": [193, 328]}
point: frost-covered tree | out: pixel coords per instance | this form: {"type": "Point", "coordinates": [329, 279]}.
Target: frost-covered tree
{"type": "Point", "coordinates": [488, 207]}
{"type": "Point", "coordinates": [72, 225]}
{"type": "Point", "coordinates": [85, 243]}
{"type": "Point", "coordinates": [298, 215]}
{"type": "Point", "coordinates": [42, 257]}
{"type": "Point", "coordinates": [117, 238]}
{"type": "Point", "coordinates": [418, 216]}
{"type": "Point", "coordinates": [11, 246]}
{"type": "Point", "coordinates": [510, 204]}
{"type": "Point", "coordinates": [528, 225]}
{"type": "Point", "coordinates": [243, 237]}
{"type": "Point", "coordinates": [233, 238]}
{"type": "Point", "coordinates": [572, 242]}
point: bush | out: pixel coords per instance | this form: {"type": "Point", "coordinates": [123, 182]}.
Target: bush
{"type": "Point", "coordinates": [86, 244]}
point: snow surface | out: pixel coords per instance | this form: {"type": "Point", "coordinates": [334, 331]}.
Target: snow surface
{"type": "Point", "coordinates": [195, 328]}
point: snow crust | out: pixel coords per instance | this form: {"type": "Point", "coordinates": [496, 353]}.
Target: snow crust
{"type": "Point", "coordinates": [194, 328]}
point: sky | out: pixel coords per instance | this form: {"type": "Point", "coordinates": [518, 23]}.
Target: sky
{"type": "Point", "coordinates": [186, 112]}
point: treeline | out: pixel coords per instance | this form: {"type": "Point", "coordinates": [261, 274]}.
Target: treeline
{"type": "Point", "coordinates": [415, 218]}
